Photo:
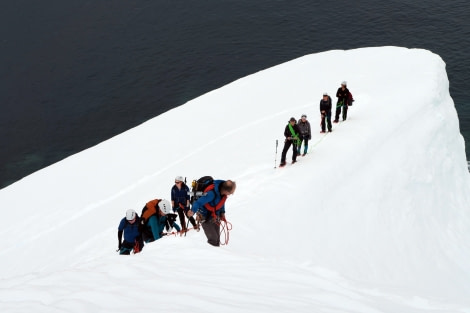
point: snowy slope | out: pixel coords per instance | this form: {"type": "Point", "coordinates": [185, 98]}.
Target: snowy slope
{"type": "Point", "coordinates": [375, 219]}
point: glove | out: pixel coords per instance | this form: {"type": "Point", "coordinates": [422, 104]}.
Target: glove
{"type": "Point", "coordinates": [222, 217]}
{"type": "Point", "coordinates": [171, 218]}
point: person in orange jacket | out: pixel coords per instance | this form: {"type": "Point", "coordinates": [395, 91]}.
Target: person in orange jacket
{"type": "Point", "coordinates": [156, 215]}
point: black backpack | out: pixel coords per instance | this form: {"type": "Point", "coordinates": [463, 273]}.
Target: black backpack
{"type": "Point", "coordinates": [199, 186]}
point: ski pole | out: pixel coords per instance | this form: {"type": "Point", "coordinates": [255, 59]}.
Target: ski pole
{"type": "Point", "coordinates": [275, 157]}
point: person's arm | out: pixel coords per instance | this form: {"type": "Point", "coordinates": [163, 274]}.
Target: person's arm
{"type": "Point", "coordinates": [287, 133]}
{"type": "Point", "coordinates": [119, 239]}
{"type": "Point", "coordinates": [199, 203]}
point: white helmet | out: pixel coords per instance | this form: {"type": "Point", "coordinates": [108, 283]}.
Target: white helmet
{"type": "Point", "coordinates": [130, 214]}
{"type": "Point", "coordinates": [179, 178]}
{"type": "Point", "coordinates": [165, 206]}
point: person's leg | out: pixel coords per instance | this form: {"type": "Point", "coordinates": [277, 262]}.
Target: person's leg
{"type": "Point", "coordinates": [328, 120]}
{"type": "Point", "coordinates": [305, 145]}
{"type": "Point", "coordinates": [345, 111]}
{"type": "Point", "coordinates": [287, 144]}
{"type": "Point", "coordinates": [182, 218]}
{"type": "Point", "coordinates": [126, 248]}
{"type": "Point", "coordinates": [323, 122]}
{"type": "Point", "coordinates": [338, 111]}
{"type": "Point", "coordinates": [212, 231]}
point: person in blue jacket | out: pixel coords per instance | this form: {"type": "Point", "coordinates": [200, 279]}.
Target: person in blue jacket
{"type": "Point", "coordinates": [130, 226]}
{"type": "Point", "coordinates": [180, 202]}
{"type": "Point", "coordinates": [210, 209]}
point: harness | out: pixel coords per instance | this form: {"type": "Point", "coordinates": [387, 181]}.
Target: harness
{"type": "Point", "coordinates": [213, 209]}
{"type": "Point", "coordinates": [294, 135]}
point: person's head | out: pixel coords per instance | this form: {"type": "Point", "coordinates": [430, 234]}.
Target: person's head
{"type": "Point", "coordinates": [292, 120]}
{"type": "Point", "coordinates": [179, 180]}
{"type": "Point", "coordinates": [131, 216]}
{"type": "Point", "coordinates": [303, 117]}
{"type": "Point", "coordinates": [227, 188]}
{"type": "Point", "coordinates": [325, 96]}
{"type": "Point", "coordinates": [164, 206]}
{"type": "Point", "coordinates": [344, 84]}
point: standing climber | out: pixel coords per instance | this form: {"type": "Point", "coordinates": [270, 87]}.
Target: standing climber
{"type": "Point", "coordinates": [180, 202]}
{"type": "Point", "coordinates": [325, 111]}
{"type": "Point", "coordinates": [305, 134]}
{"type": "Point", "coordinates": [343, 100]}
{"type": "Point", "coordinates": [292, 134]}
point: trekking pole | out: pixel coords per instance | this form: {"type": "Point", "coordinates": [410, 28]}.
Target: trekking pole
{"type": "Point", "coordinates": [275, 157]}
{"type": "Point", "coordinates": [187, 225]}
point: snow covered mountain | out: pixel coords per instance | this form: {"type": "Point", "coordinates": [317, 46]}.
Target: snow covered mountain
{"type": "Point", "coordinates": [376, 218]}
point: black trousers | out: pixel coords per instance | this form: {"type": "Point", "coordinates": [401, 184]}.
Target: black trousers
{"type": "Point", "coordinates": [326, 116]}
{"type": "Point", "coordinates": [287, 145]}
{"type": "Point", "coordinates": [181, 214]}
{"type": "Point", "coordinates": [338, 111]}
{"type": "Point", "coordinates": [212, 231]}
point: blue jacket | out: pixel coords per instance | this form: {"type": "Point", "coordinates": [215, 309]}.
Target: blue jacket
{"type": "Point", "coordinates": [180, 195]}
{"type": "Point", "coordinates": [212, 198]}
{"type": "Point", "coordinates": [131, 231]}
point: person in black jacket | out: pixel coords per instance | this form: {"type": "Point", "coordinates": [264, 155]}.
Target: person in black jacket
{"type": "Point", "coordinates": [343, 98]}
{"type": "Point", "coordinates": [292, 134]}
{"type": "Point", "coordinates": [325, 110]}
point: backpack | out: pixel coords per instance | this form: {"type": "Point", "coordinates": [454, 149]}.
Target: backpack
{"type": "Point", "coordinates": [350, 99]}
{"type": "Point", "coordinates": [198, 187]}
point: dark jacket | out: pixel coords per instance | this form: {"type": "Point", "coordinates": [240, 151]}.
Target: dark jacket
{"type": "Point", "coordinates": [180, 195]}
{"type": "Point", "coordinates": [325, 105]}
{"type": "Point", "coordinates": [304, 128]}
{"type": "Point", "coordinates": [287, 132]}
{"type": "Point", "coordinates": [342, 95]}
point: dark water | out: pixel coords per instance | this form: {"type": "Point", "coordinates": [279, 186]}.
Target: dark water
{"type": "Point", "coordinates": [74, 73]}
